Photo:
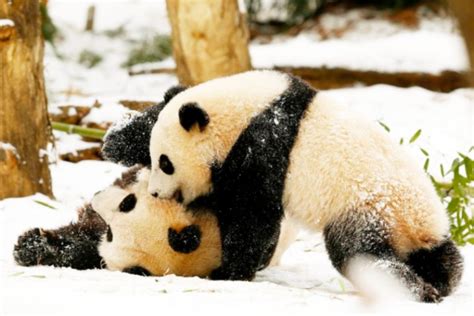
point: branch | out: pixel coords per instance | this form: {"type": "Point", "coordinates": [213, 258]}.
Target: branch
{"type": "Point", "coordinates": [94, 133]}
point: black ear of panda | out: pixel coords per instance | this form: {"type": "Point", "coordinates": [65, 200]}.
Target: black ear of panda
{"type": "Point", "coordinates": [172, 92]}
{"type": "Point", "coordinates": [190, 114]}
{"type": "Point", "coordinates": [185, 241]}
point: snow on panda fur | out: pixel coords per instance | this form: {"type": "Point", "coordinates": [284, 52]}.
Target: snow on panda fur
{"type": "Point", "coordinates": [125, 229]}
{"type": "Point", "coordinates": [261, 144]}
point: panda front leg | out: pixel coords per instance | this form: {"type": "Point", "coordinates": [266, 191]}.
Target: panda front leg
{"type": "Point", "coordinates": [74, 245]}
{"type": "Point", "coordinates": [359, 247]}
{"type": "Point", "coordinates": [247, 246]}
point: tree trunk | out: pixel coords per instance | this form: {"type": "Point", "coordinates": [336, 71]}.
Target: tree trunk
{"type": "Point", "coordinates": [464, 12]}
{"type": "Point", "coordinates": [210, 39]}
{"type": "Point", "coordinates": [24, 125]}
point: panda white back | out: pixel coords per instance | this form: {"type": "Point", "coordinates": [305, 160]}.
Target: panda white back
{"type": "Point", "coordinates": [353, 163]}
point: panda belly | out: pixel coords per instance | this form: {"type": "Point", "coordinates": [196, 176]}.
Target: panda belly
{"type": "Point", "coordinates": [342, 165]}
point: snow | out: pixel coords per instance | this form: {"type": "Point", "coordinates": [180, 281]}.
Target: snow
{"type": "Point", "coordinates": [9, 147]}
{"type": "Point", "coordinates": [400, 52]}
{"type": "Point", "coordinates": [106, 113]}
{"type": "Point", "coordinates": [6, 22]}
{"type": "Point", "coordinates": [71, 143]}
{"type": "Point", "coordinates": [305, 282]}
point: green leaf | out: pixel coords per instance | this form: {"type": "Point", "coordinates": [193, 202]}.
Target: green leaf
{"type": "Point", "coordinates": [427, 163]}
{"type": "Point", "coordinates": [44, 204]}
{"type": "Point", "coordinates": [385, 127]}
{"type": "Point", "coordinates": [415, 136]}
{"type": "Point", "coordinates": [341, 285]}
{"type": "Point", "coordinates": [441, 168]}
{"type": "Point", "coordinates": [424, 152]}
{"type": "Point", "coordinates": [401, 141]}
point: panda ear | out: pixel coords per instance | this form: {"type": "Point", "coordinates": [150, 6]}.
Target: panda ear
{"type": "Point", "coordinates": [172, 92]}
{"type": "Point", "coordinates": [190, 114]}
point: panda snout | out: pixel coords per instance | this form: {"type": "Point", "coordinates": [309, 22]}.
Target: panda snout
{"type": "Point", "coordinates": [154, 194]}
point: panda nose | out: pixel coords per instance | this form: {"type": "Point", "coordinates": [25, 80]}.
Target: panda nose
{"type": "Point", "coordinates": [154, 194]}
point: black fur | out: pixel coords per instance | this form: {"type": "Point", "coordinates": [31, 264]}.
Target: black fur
{"type": "Point", "coordinates": [172, 92]}
{"type": "Point", "coordinates": [128, 203]}
{"type": "Point", "coordinates": [137, 271]}
{"type": "Point", "coordinates": [248, 185]}
{"type": "Point", "coordinates": [190, 114]}
{"type": "Point", "coordinates": [129, 144]}
{"type": "Point", "coordinates": [166, 165]}
{"type": "Point", "coordinates": [185, 241]}
{"type": "Point", "coordinates": [429, 275]}
{"type": "Point", "coordinates": [109, 235]}
{"type": "Point", "coordinates": [72, 246]}
{"type": "Point", "coordinates": [441, 266]}
{"type": "Point", "coordinates": [128, 177]}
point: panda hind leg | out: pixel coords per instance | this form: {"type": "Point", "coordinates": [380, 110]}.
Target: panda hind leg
{"type": "Point", "coordinates": [441, 266]}
{"type": "Point", "coordinates": [358, 246]}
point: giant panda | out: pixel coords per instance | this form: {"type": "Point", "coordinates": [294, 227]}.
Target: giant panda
{"type": "Point", "coordinates": [260, 145]}
{"type": "Point", "coordinates": [124, 229]}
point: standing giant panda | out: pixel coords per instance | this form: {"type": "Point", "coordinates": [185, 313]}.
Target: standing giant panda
{"type": "Point", "coordinates": [261, 144]}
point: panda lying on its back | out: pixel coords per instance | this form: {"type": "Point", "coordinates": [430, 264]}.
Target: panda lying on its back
{"type": "Point", "coordinates": [152, 236]}
{"type": "Point", "coordinates": [256, 145]}
{"type": "Point", "coordinates": [124, 229]}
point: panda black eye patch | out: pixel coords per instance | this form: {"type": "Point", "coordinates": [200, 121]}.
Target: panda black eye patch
{"type": "Point", "coordinates": [166, 165]}
{"type": "Point", "coordinates": [128, 203]}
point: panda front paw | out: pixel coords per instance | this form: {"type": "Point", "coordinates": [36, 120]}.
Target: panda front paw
{"type": "Point", "coordinates": [429, 294]}
{"type": "Point", "coordinates": [33, 248]}
{"type": "Point", "coordinates": [228, 275]}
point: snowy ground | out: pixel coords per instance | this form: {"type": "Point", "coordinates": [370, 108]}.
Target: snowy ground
{"type": "Point", "coordinates": [305, 282]}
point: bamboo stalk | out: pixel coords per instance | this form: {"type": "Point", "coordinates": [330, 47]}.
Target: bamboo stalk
{"type": "Point", "coordinates": [79, 130]}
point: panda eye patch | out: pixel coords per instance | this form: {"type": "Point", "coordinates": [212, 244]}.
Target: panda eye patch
{"type": "Point", "coordinates": [128, 203]}
{"type": "Point", "coordinates": [165, 165]}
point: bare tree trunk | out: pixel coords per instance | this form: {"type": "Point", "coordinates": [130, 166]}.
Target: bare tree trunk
{"type": "Point", "coordinates": [24, 125]}
{"type": "Point", "coordinates": [210, 39]}
{"type": "Point", "coordinates": [464, 12]}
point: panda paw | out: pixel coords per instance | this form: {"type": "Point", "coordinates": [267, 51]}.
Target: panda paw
{"type": "Point", "coordinates": [430, 294]}
{"type": "Point", "coordinates": [227, 275]}
{"type": "Point", "coordinates": [33, 248]}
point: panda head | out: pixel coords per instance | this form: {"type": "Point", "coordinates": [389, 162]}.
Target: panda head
{"type": "Point", "coordinates": [151, 236]}
{"type": "Point", "coordinates": [198, 127]}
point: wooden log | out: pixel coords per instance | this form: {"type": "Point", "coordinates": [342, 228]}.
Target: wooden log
{"type": "Point", "coordinates": [23, 111]}
{"type": "Point", "coordinates": [210, 39]}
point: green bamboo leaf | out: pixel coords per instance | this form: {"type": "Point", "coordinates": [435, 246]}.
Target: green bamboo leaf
{"type": "Point", "coordinates": [441, 168]}
{"type": "Point", "coordinates": [424, 152]}
{"type": "Point", "coordinates": [415, 136]}
{"type": "Point", "coordinates": [45, 204]}
{"type": "Point", "coordinates": [385, 127]}
{"type": "Point", "coordinates": [426, 165]}
{"type": "Point", "coordinates": [401, 141]}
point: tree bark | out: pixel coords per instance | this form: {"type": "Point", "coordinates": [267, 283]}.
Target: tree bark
{"type": "Point", "coordinates": [464, 12]}
{"type": "Point", "coordinates": [210, 39]}
{"type": "Point", "coordinates": [24, 125]}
